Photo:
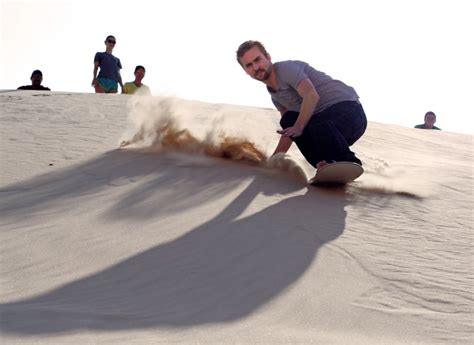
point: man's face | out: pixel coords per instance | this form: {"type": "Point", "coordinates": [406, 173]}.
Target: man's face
{"type": "Point", "coordinates": [36, 79]}
{"type": "Point", "coordinates": [256, 64]}
{"type": "Point", "coordinates": [430, 120]}
{"type": "Point", "coordinates": [139, 74]}
{"type": "Point", "coordinates": [110, 43]}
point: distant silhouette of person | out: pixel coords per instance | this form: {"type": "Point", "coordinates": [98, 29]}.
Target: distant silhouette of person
{"type": "Point", "coordinates": [133, 86]}
{"type": "Point", "coordinates": [109, 75]}
{"type": "Point", "coordinates": [36, 80]}
{"type": "Point", "coordinates": [430, 119]}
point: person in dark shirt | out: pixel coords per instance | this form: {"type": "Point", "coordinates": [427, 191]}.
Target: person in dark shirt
{"type": "Point", "coordinates": [109, 77]}
{"type": "Point", "coordinates": [430, 119]}
{"type": "Point", "coordinates": [36, 80]}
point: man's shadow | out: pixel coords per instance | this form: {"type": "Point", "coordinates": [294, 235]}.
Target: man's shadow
{"type": "Point", "coordinates": [220, 271]}
{"type": "Point", "coordinates": [62, 188]}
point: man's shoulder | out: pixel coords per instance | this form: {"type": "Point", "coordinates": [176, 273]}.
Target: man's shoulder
{"type": "Point", "coordinates": [291, 72]}
{"type": "Point", "coordinates": [105, 55]}
{"type": "Point", "coordinates": [31, 87]}
{"type": "Point", "coordinates": [144, 90]}
{"type": "Point", "coordinates": [286, 63]}
{"type": "Point", "coordinates": [420, 126]}
{"type": "Point", "coordinates": [129, 87]}
{"type": "Point", "coordinates": [288, 68]}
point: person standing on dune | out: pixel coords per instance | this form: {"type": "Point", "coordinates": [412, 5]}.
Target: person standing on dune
{"type": "Point", "coordinates": [321, 115]}
{"type": "Point", "coordinates": [109, 75]}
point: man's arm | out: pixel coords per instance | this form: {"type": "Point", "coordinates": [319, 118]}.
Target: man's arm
{"type": "Point", "coordinates": [119, 65]}
{"type": "Point", "coordinates": [120, 80]}
{"type": "Point", "coordinates": [283, 145]}
{"type": "Point", "coordinates": [125, 88]}
{"type": "Point", "coordinates": [96, 67]}
{"type": "Point", "coordinates": [310, 96]}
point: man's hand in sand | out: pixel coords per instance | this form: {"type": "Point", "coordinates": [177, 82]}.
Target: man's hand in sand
{"type": "Point", "coordinates": [292, 132]}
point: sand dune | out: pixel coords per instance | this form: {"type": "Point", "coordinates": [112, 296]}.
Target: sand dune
{"type": "Point", "coordinates": [135, 220]}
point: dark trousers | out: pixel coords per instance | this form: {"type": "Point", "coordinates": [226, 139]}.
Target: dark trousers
{"type": "Point", "coordinates": [329, 134]}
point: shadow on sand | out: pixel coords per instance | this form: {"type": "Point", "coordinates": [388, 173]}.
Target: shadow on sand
{"type": "Point", "coordinates": [220, 271]}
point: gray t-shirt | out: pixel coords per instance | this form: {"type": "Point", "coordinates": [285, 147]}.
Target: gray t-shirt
{"type": "Point", "coordinates": [290, 73]}
{"type": "Point", "coordinates": [110, 66]}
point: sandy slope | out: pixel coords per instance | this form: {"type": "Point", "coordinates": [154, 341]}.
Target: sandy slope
{"type": "Point", "coordinates": [159, 243]}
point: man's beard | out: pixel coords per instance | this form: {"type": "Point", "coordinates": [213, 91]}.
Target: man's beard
{"type": "Point", "coordinates": [262, 76]}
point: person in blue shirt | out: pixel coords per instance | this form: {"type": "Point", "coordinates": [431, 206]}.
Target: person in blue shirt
{"type": "Point", "coordinates": [109, 67]}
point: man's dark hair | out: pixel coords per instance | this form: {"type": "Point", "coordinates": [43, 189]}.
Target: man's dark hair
{"type": "Point", "coordinates": [37, 72]}
{"type": "Point", "coordinates": [139, 67]}
{"type": "Point", "coordinates": [430, 113]}
{"type": "Point", "coordinates": [110, 36]}
{"type": "Point", "coordinates": [246, 46]}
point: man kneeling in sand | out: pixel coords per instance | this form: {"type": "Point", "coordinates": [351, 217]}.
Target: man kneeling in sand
{"type": "Point", "coordinates": [321, 115]}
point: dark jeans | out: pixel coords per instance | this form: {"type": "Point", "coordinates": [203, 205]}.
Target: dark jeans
{"type": "Point", "coordinates": [328, 134]}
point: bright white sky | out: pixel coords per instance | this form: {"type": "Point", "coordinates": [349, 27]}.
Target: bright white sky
{"type": "Point", "coordinates": [404, 57]}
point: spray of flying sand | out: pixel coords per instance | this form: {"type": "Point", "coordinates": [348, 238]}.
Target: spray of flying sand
{"type": "Point", "coordinates": [161, 124]}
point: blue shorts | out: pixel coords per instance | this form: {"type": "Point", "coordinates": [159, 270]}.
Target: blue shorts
{"type": "Point", "coordinates": [109, 85]}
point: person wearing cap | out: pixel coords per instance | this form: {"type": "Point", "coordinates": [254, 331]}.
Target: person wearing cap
{"type": "Point", "coordinates": [36, 80]}
{"type": "Point", "coordinates": [137, 85]}
{"type": "Point", "coordinates": [109, 74]}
